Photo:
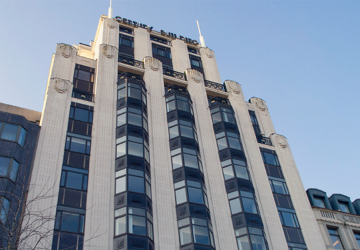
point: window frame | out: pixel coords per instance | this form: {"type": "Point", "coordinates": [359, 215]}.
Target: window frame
{"type": "Point", "coordinates": [10, 167]}
{"type": "Point", "coordinates": [127, 139]}
{"type": "Point", "coordinates": [4, 211]}
{"type": "Point", "coordinates": [18, 133]}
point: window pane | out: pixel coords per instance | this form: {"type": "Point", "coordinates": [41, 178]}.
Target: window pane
{"type": "Point", "coordinates": [74, 180]}
{"type": "Point", "coordinates": [249, 205]}
{"type": "Point", "coordinates": [136, 149]}
{"type": "Point", "coordinates": [195, 195]}
{"type": "Point", "coordinates": [137, 225]}
{"type": "Point", "coordinates": [4, 165]}
{"type": "Point", "coordinates": [180, 196]}
{"type": "Point", "coordinates": [185, 235]}
{"type": "Point", "coordinates": [174, 132]}
{"type": "Point", "coordinates": [222, 143]}
{"type": "Point", "coordinates": [278, 187]}
{"type": "Point", "coordinates": [120, 225]}
{"type": "Point", "coordinates": [78, 145]}
{"type": "Point", "coordinates": [186, 131]}
{"type": "Point", "coordinates": [257, 242]}
{"type": "Point", "coordinates": [228, 172]}
{"type": "Point", "coordinates": [216, 117]}
{"type": "Point", "coordinates": [241, 172]}
{"type": "Point", "coordinates": [121, 149]}
{"type": "Point", "coordinates": [150, 230]}
{"type": "Point", "coordinates": [270, 159]}
{"type": "Point", "coordinates": [121, 93]}
{"type": "Point", "coordinates": [344, 207]}
{"type": "Point", "coordinates": [170, 106]}
{"type": "Point", "coordinates": [234, 143]}
{"type": "Point", "coordinates": [228, 117]}
{"type": "Point", "coordinates": [243, 243]}
{"type": "Point", "coordinates": [137, 211]}
{"type": "Point", "coordinates": [183, 105]}
{"type": "Point", "coordinates": [136, 184]}
{"type": "Point", "coordinates": [81, 115]}
{"type": "Point", "coordinates": [177, 161]}
{"type": "Point", "coordinates": [319, 201]}
{"type": "Point", "coordinates": [4, 210]}
{"type": "Point", "coordinates": [191, 161]}
{"type": "Point", "coordinates": [335, 239]}
{"type": "Point", "coordinates": [134, 119]}
{"type": "Point", "coordinates": [134, 93]}
{"type": "Point", "coordinates": [288, 219]}
{"type": "Point", "coordinates": [22, 136]}
{"type": "Point", "coordinates": [9, 132]}
{"type": "Point", "coordinates": [70, 222]}
{"type": "Point", "coordinates": [235, 206]}
{"type": "Point", "coordinates": [201, 235]}
{"type": "Point", "coordinates": [148, 190]}
{"type": "Point", "coordinates": [121, 119]}
{"type": "Point", "coordinates": [121, 185]}
{"type": "Point", "coordinates": [83, 75]}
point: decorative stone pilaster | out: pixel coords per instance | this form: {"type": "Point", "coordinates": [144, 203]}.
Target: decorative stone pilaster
{"type": "Point", "coordinates": [259, 103]}
{"type": "Point", "coordinates": [110, 22]}
{"type": "Point", "coordinates": [152, 63]}
{"type": "Point", "coordinates": [233, 86]}
{"type": "Point", "coordinates": [281, 140]}
{"type": "Point", "coordinates": [60, 85]}
{"type": "Point", "coordinates": [65, 50]}
{"type": "Point", "coordinates": [209, 53]}
{"type": "Point", "coordinates": [109, 51]}
{"type": "Point", "coordinates": [194, 75]}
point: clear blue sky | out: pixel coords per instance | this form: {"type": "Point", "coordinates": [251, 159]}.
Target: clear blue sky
{"type": "Point", "coordinates": [301, 57]}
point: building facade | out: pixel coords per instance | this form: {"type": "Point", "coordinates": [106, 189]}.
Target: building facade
{"type": "Point", "coordinates": [338, 219]}
{"type": "Point", "coordinates": [19, 130]}
{"type": "Point", "coordinates": [142, 147]}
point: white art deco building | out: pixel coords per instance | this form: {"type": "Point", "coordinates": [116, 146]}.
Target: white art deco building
{"type": "Point", "coordinates": [142, 147]}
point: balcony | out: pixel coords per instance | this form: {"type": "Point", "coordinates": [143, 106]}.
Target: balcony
{"type": "Point", "coordinates": [131, 61]}
{"type": "Point", "coordinates": [264, 140]}
{"type": "Point", "coordinates": [172, 73]}
{"type": "Point", "coordinates": [214, 85]}
{"type": "Point", "coordinates": [82, 95]}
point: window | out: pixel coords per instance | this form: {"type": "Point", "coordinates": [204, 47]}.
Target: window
{"type": "Point", "coordinates": [319, 201]}
{"type": "Point", "coordinates": [81, 114]}
{"type": "Point", "coordinates": [126, 41]}
{"type": "Point", "coordinates": [357, 237]}
{"type": "Point", "coordinates": [193, 50]}
{"type": "Point", "coordinates": [74, 178]}
{"type": "Point", "coordinates": [235, 206]}
{"type": "Point", "coordinates": [269, 158]}
{"type": "Point", "coordinates": [228, 115]}
{"type": "Point", "coordinates": [254, 122]}
{"type": "Point", "coordinates": [125, 30]}
{"type": "Point", "coordinates": [257, 239]}
{"type": "Point", "coordinates": [344, 206]}
{"type": "Point", "coordinates": [193, 192]}
{"type": "Point", "coordinates": [161, 51]}
{"type": "Point", "coordinates": [199, 228]}
{"type": "Point", "coordinates": [335, 238]}
{"type": "Point", "coordinates": [79, 145]}
{"type": "Point", "coordinates": [288, 219]}
{"type": "Point", "coordinates": [120, 181]}
{"type": "Point", "coordinates": [195, 61]}
{"type": "Point", "coordinates": [83, 82]}
{"type": "Point", "coordinates": [279, 187]}
{"type": "Point", "coordinates": [136, 181]}
{"type": "Point", "coordinates": [248, 202]}
{"type": "Point", "coordinates": [158, 39]}
{"type": "Point", "coordinates": [11, 132]}
{"type": "Point", "coordinates": [8, 168]}
{"type": "Point", "coordinates": [120, 225]}
{"type": "Point", "coordinates": [70, 222]}
{"type": "Point", "coordinates": [185, 235]}
{"type": "Point", "coordinates": [137, 225]}
{"type": "Point", "coordinates": [216, 117]}
{"type": "Point", "coordinates": [4, 209]}
{"type": "Point", "coordinates": [135, 146]}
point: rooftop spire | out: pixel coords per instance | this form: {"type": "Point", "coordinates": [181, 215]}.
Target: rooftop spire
{"type": "Point", "coordinates": [202, 40]}
{"type": "Point", "coordinates": [110, 12]}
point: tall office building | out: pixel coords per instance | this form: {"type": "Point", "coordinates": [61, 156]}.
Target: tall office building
{"type": "Point", "coordinates": [142, 147]}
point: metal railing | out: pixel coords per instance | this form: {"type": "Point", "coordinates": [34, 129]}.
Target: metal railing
{"type": "Point", "coordinates": [131, 61]}
{"type": "Point", "coordinates": [175, 74]}
{"type": "Point", "coordinates": [82, 95]}
{"type": "Point", "coordinates": [214, 85]}
{"type": "Point", "coordinates": [264, 140]}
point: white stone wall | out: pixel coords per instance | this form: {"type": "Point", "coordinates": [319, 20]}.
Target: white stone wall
{"type": "Point", "coordinates": [268, 211]}
{"type": "Point", "coordinates": [210, 67]}
{"type": "Point", "coordinates": [49, 154]}
{"type": "Point", "coordinates": [180, 56]}
{"type": "Point", "coordinates": [163, 197]}
{"type": "Point", "coordinates": [142, 44]}
{"type": "Point", "coordinates": [218, 201]}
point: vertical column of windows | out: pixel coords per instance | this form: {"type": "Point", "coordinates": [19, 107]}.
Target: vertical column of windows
{"type": "Point", "coordinates": [126, 46]}
{"type": "Point", "coordinates": [194, 223]}
{"type": "Point", "coordinates": [259, 136]}
{"type": "Point", "coordinates": [247, 222]}
{"type": "Point", "coordinates": [83, 83]}
{"type": "Point", "coordinates": [71, 208]}
{"type": "Point", "coordinates": [283, 201]}
{"type": "Point", "coordinates": [133, 205]}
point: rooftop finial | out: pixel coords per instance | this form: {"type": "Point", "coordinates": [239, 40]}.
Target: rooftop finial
{"type": "Point", "coordinates": [110, 12]}
{"type": "Point", "coordinates": [202, 40]}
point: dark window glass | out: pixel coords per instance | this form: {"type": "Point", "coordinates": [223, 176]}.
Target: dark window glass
{"type": "Point", "coordinates": [183, 105]}
{"type": "Point", "coordinates": [170, 106]}
{"type": "Point", "coordinates": [241, 172]}
{"type": "Point", "coordinates": [4, 165]}
{"type": "Point", "coordinates": [289, 219]}
{"type": "Point", "coordinates": [195, 195]}
{"type": "Point", "coordinates": [135, 149]}
{"type": "Point", "coordinates": [126, 41]}
{"type": "Point", "coordinates": [135, 119]}
{"type": "Point", "coordinates": [201, 235]}
{"type": "Point", "coordinates": [81, 115]}
{"type": "Point", "coordinates": [186, 131]}
{"type": "Point", "coordinates": [195, 62]}
{"type": "Point", "coordinates": [257, 242]}
{"type": "Point", "coordinates": [71, 222]}
{"type": "Point", "coordinates": [319, 201]}
{"type": "Point", "coordinates": [78, 145]}
{"type": "Point", "coordinates": [357, 237]}
{"type": "Point", "coordinates": [222, 144]}
{"type": "Point", "coordinates": [22, 136]}
{"type": "Point", "coordinates": [243, 243]}
{"type": "Point", "coordinates": [121, 120]}
{"type": "Point", "coordinates": [177, 161]}
{"type": "Point", "coordinates": [279, 187]}
{"type": "Point", "coordinates": [335, 239]}
{"type": "Point", "coordinates": [234, 143]}
{"type": "Point", "coordinates": [137, 225]}
{"type": "Point", "coordinates": [249, 205]}
{"type": "Point", "coordinates": [344, 207]}
{"type": "Point", "coordinates": [121, 93]}
{"type": "Point", "coordinates": [9, 132]}
{"type": "Point", "coordinates": [120, 225]}
{"type": "Point", "coordinates": [14, 170]}
{"type": "Point", "coordinates": [83, 75]}
{"type": "Point", "coordinates": [235, 206]}
{"type": "Point", "coordinates": [227, 117]}
{"type": "Point", "coordinates": [191, 161]}
{"type": "Point", "coordinates": [185, 235]}
{"type": "Point", "coordinates": [228, 173]}
{"type": "Point", "coordinates": [174, 132]}
{"type": "Point", "coordinates": [136, 184]}
{"type": "Point", "coordinates": [73, 180]}
{"type": "Point", "coordinates": [216, 117]}
{"type": "Point", "coordinates": [270, 159]}
{"type": "Point", "coordinates": [180, 196]}
{"type": "Point", "coordinates": [134, 93]}
{"type": "Point", "coordinates": [4, 209]}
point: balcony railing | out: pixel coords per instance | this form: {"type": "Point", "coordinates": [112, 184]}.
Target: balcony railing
{"type": "Point", "coordinates": [214, 85]}
{"type": "Point", "coordinates": [131, 61]}
{"type": "Point", "coordinates": [82, 95]}
{"type": "Point", "coordinates": [264, 140]}
{"type": "Point", "coordinates": [173, 73]}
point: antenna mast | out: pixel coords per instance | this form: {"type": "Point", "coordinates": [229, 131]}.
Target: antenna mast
{"type": "Point", "coordinates": [110, 12]}
{"type": "Point", "coordinates": [202, 40]}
